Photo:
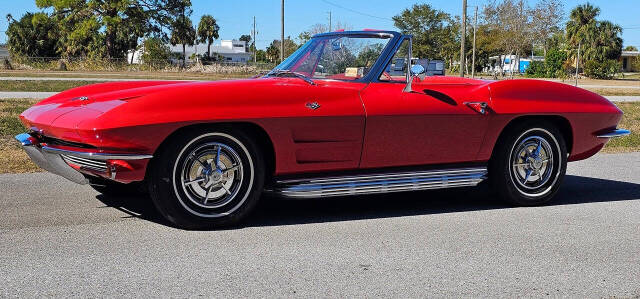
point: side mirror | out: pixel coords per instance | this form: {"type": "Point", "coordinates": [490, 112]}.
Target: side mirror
{"type": "Point", "coordinates": [417, 70]}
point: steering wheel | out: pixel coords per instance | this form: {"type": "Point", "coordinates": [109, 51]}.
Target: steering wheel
{"type": "Point", "coordinates": [387, 76]}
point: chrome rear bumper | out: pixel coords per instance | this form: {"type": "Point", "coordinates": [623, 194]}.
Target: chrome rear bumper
{"type": "Point", "coordinates": [615, 133]}
{"type": "Point", "coordinates": [56, 160]}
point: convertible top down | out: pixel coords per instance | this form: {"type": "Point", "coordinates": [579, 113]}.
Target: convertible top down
{"type": "Point", "coordinates": [345, 114]}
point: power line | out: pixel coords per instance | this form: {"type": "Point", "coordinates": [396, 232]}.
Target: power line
{"type": "Point", "coordinates": [357, 12]}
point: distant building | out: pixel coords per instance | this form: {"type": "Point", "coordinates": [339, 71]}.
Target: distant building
{"type": "Point", "coordinates": [4, 51]}
{"type": "Point", "coordinates": [630, 61]}
{"type": "Point", "coordinates": [231, 51]}
{"type": "Point", "coordinates": [510, 63]}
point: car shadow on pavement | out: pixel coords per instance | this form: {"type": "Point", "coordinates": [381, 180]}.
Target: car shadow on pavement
{"type": "Point", "coordinates": [273, 211]}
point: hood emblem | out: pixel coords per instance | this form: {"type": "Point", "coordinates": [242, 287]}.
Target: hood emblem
{"type": "Point", "coordinates": [80, 99]}
{"type": "Point", "coordinates": [313, 105]}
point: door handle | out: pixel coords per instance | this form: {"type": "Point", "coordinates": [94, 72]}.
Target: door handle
{"type": "Point", "coordinates": [480, 107]}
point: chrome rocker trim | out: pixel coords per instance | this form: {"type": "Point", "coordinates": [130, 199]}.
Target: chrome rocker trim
{"type": "Point", "coordinates": [380, 183]}
{"type": "Point", "coordinates": [56, 160]}
{"type": "Point", "coordinates": [615, 133]}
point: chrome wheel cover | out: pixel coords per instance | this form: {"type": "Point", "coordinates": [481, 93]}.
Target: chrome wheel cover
{"type": "Point", "coordinates": [211, 175]}
{"type": "Point", "coordinates": [533, 165]}
{"type": "Point", "coordinates": [191, 177]}
{"type": "Point", "coordinates": [532, 162]}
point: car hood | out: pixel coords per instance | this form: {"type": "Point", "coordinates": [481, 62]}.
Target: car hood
{"type": "Point", "coordinates": [104, 92]}
{"type": "Point", "coordinates": [60, 114]}
{"type": "Point", "coordinates": [73, 114]}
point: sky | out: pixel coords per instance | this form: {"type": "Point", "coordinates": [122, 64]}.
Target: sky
{"type": "Point", "coordinates": [236, 17]}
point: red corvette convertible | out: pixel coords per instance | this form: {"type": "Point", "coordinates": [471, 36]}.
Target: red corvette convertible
{"type": "Point", "coordinates": [345, 114]}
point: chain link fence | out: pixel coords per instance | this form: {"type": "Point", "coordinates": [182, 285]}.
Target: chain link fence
{"type": "Point", "coordinates": [124, 65]}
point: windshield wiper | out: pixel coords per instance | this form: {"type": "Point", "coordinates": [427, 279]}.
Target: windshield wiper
{"type": "Point", "coordinates": [278, 72]}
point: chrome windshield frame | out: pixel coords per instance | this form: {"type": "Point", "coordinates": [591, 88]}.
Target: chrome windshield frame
{"type": "Point", "coordinates": [378, 66]}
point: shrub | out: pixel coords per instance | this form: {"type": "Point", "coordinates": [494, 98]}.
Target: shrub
{"type": "Point", "coordinates": [554, 61]}
{"type": "Point", "coordinates": [536, 69]}
{"type": "Point", "coordinates": [552, 67]}
{"type": "Point", "coordinates": [34, 35]}
{"type": "Point", "coordinates": [156, 53]}
{"type": "Point", "coordinates": [604, 69]}
{"type": "Point", "coordinates": [6, 65]}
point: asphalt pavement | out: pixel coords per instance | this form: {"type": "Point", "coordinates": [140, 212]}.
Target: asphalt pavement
{"type": "Point", "coordinates": [61, 239]}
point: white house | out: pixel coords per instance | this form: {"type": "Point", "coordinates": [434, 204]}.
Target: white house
{"type": "Point", "coordinates": [233, 51]}
{"type": "Point", "coordinates": [627, 59]}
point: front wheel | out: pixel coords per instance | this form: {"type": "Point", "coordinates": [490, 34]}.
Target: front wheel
{"type": "Point", "coordinates": [529, 163]}
{"type": "Point", "coordinates": [207, 179]}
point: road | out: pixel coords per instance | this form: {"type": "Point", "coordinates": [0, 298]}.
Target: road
{"type": "Point", "coordinates": [25, 94]}
{"type": "Point", "coordinates": [60, 239]}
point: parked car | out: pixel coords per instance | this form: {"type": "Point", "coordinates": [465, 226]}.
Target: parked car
{"type": "Point", "coordinates": [328, 121]}
{"type": "Point", "coordinates": [435, 68]}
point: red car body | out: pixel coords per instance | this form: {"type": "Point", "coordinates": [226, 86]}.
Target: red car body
{"type": "Point", "coordinates": [357, 126]}
{"type": "Point", "coordinates": [331, 120]}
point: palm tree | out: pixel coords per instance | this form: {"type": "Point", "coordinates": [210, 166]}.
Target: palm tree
{"type": "Point", "coordinates": [581, 27]}
{"type": "Point", "coordinates": [208, 31]}
{"type": "Point", "coordinates": [606, 43]}
{"type": "Point", "coordinates": [582, 24]}
{"type": "Point", "coordinates": [183, 33]}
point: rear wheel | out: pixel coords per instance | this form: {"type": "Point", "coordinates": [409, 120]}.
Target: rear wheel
{"type": "Point", "coordinates": [207, 179]}
{"type": "Point", "coordinates": [529, 163]}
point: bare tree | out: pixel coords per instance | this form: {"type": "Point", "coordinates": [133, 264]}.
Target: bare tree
{"type": "Point", "coordinates": [321, 28]}
{"type": "Point", "coordinates": [546, 19]}
{"type": "Point", "coordinates": [509, 18]}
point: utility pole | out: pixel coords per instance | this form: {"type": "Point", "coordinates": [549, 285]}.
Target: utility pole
{"type": "Point", "coordinates": [330, 21]}
{"type": "Point", "coordinates": [475, 25]}
{"type": "Point", "coordinates": [255, 47]}
{"type": "Point", "coordinates": [282, 33]}
{"type": "Point", "coordinates": [462, 35]}
{"type": "Point", "coordinates": [578, 62]}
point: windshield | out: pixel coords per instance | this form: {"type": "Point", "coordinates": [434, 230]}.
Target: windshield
{"type": "Point", "coordinates": [336, 57]}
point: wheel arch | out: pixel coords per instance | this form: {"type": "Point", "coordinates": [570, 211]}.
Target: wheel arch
{"type": "Point", "coordinates": [261, 136]}
{"type": "Point", "coordinates": [559, 121]}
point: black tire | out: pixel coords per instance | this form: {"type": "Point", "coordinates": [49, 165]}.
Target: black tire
{"type": "Point", "coordinates": [516, 175]}
{"type": "Point", "coordinates": [116, 189]}
{"type": "Point", "coordinates": [191, 156]}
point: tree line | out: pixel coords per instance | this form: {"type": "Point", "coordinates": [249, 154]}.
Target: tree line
{"type": "Point", "coordinates": [107, 28]}
{"type": "Point", "coordinates": [513, 27]}
{"type": "Point", "coordinates": [112, 28]}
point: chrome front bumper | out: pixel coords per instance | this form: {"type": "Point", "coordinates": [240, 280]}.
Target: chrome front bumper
{"type": "Point", "coordinates": [56, 160]}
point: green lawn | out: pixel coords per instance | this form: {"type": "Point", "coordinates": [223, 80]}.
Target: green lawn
{"type": "Point", "coordinates": [616, 91]}
{"type": "Point", "coordinates": [126, 75]}
{"type": "Point", "coordinates": [12, 157]}
{"type": "Point", "coordinates": [41, 85]}
{"type": "Point", "coordinates": [630, 121]}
